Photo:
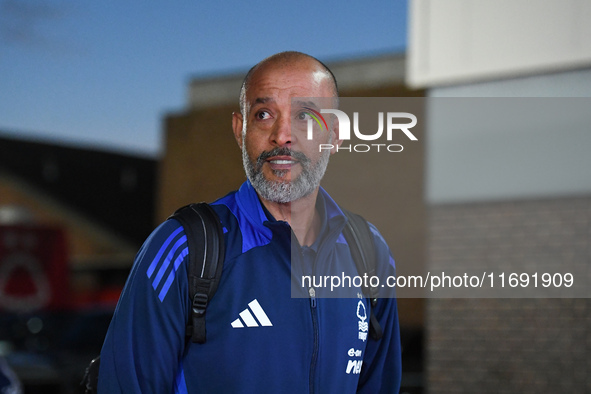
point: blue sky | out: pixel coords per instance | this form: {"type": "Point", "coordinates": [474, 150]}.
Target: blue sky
{"type": "Point", "coordinates": [105, 73]}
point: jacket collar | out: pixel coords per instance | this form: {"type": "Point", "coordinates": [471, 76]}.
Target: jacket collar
{"type": "Point", "coordinates": [333, 219]}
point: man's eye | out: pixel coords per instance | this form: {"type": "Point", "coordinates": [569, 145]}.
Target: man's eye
{"type": "Point", "coordinates": [303, 116]}
{"type": "Point", "coordinates": [262, 115]}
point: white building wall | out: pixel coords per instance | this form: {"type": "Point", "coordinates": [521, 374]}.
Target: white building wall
{"type": "Point", "coordinates": [455, 41]}
{"type": "Point", "coordinates": [503, 48]}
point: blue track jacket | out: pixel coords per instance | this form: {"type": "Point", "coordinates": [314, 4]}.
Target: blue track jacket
{"type": "Point", "coordinates": [259, 338]}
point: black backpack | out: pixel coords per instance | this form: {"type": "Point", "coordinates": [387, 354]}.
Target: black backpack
{"type": "Point", "coordinates": [205, 239]}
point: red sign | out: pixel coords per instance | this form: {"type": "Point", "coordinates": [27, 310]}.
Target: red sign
{"type": "Point", "coordinates": [33, 268]}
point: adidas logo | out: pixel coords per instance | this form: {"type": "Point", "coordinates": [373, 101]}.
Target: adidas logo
{"type": "Point", "coordinates": [246, 318]}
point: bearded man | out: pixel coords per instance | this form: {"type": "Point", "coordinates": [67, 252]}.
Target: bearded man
{"type": "Point", "coordinates": [260, 339]}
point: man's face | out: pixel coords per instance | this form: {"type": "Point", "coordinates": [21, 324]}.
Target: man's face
{"type": "Point", "coordinates": [280, 162]}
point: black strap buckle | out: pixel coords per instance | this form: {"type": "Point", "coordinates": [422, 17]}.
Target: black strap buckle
{"type": "Point", "coordinates": [200, 303]}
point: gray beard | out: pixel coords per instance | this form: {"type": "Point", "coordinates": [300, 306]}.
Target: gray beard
{"type": "Point", "coordinates": [284, 192]}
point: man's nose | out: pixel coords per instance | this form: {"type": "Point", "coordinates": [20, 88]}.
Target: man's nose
{"type": "Point", "coordinates": [281, 135]}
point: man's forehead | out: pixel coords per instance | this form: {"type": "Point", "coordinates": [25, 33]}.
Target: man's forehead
{"type": "Point", "coordinates": [297, 101]}
{"type": "Point", "coordinates": [280, 85]}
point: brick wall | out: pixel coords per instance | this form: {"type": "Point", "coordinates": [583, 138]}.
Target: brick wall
{"type": "Point", "coordinates": [509, 345]}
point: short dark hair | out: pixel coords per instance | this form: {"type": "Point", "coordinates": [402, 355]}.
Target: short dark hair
{"type": "Point", "coordinates": [281, 56]}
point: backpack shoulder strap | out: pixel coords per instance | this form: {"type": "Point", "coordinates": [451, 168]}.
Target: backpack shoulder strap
{"type": "Point", "coordinates": [205, 239]}
{"type": "Point", "coordinates": [360, 241]}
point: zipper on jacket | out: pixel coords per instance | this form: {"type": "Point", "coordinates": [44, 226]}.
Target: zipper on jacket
{"type": "Point", "coordinates": [312, 293]}
{"type": "Point", "coordinates": [314, 312]}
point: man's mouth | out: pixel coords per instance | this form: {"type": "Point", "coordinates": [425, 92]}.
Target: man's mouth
{"type": "Point", "coordinates": [281, 162]}
{"type": "Point", "coordinates": [282, 159]}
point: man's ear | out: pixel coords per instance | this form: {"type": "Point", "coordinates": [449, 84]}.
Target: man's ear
{"type": "Point", "coordinates": [336, 142]}
{"type": "Point", "coordinates": [237, 123]}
